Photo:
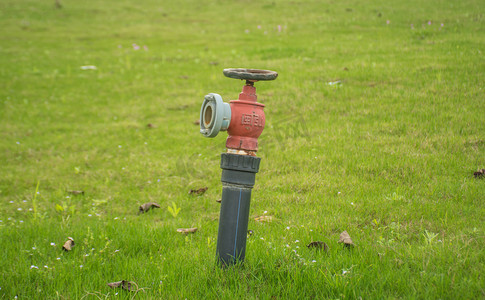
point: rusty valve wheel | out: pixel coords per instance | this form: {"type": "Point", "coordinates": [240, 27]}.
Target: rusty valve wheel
{"type": "Point", "coordinates": [250, 74]}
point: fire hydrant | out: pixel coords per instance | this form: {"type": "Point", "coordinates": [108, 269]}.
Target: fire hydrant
{"type": "Point", "coordinates": [244, 121]}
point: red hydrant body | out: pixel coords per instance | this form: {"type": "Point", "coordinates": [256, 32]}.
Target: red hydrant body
{"type": "Point", "coordinates": [247, 121]}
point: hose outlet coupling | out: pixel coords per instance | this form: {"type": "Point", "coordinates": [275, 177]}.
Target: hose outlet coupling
{"type": "Point", "coordinates": [215, 115]}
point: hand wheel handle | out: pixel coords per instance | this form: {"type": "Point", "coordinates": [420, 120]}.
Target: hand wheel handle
{"type": "Point", "coordinates": [250, 74]}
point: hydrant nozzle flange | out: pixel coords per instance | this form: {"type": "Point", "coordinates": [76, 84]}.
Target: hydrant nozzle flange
{"type": "Point", "coordinates": [215, 115]}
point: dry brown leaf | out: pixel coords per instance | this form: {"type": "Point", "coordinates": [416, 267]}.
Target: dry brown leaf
{"type": "Point", "coordinates": [76, 192]}
{"type": "Point", "coordinates": [187, 230]}
{"type": "Point", "coordinates": [318, 245]}
{"type": "Point", "coordinates": [147, 206]}
{"type": "Point", "coordinates": [345, 238]}
{"type": "Point", "coordinates": [150, 125]}
{"type": "Point", "coordinates": [125, 284]}
{"type": "Point", "coordinates": [197, 122]}
{"type": "Point", "coordinates": [128, 285]}
{"type": "Point", "coordinates": [115, 284]}
{"type": "Point", "coordinates": [479, 173]}
{"type": "Point", "coordinates": [219, 201]}
{"type": "Point", "coordinates": [199, 191]}
{"type": "Point", "coordinates": [264, 219]}
{"type": "Point", "coordinates": [68, 244]}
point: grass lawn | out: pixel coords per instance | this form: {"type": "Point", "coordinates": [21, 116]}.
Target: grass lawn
{"type": "Point", "coordinates": [375, 126]}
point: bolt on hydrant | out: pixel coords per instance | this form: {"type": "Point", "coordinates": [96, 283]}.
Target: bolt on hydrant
{"type": "Point", "coordinates": [244, 121]}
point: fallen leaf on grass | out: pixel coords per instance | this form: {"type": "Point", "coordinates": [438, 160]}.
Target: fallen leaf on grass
{"type": "Point", "coordinates": [76, 192]}
{"type": "Point", "coordinates": [197, 122]}
{"type": "Point", "coordinates": [345, 238]}
{"type": "Point", "coordinates": [187, 230]}
{"type": "Point", "coordinates": [150, 125]}
{"type": "Point", "coordinates": [124, 284]}
{"type": "Point", "coordinates": [147, 206]}
{"type": "Point", "coordinates": [68, 244]}
{"type": "Point", "coordinates": [88, 68]}
{"type": "Point", "coordinates": [318, 245]}
{"type": "Point", "coordinates": [479, 173]}
{"type": "Point", "coordinates": [264, 219]}
{"type": "Point", "coordinates": [115, 284]}
{"type": "Point", "coordinates": [199, 191]}
{"type": "Point", "coordinates": [219, 201]}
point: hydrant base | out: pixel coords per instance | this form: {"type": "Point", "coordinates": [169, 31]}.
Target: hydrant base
{"type": "Point", "coordinates": [238, 177]}
{"type": "Point", "coordinates": [233, 225]}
